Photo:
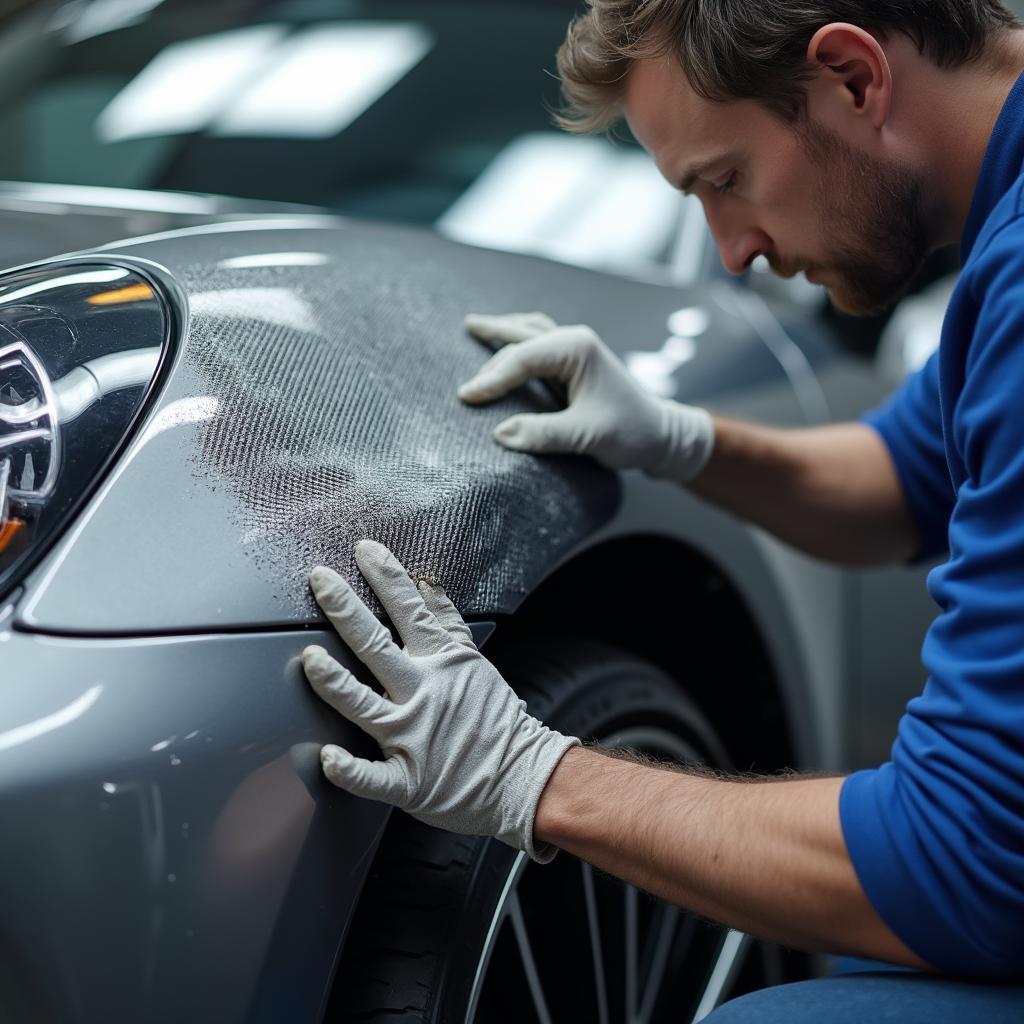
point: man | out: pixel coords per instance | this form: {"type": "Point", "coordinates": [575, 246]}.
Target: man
{"type": "Point", "coordinates": [846, 139]}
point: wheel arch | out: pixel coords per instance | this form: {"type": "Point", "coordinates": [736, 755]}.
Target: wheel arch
{"type": "Point", "coordinates": [708, 637]}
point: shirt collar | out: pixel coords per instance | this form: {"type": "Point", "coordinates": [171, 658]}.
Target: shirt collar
{"type": "Point", "coordinates": [1004, 160]}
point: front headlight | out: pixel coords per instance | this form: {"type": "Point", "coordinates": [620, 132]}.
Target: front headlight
{"type": "Point", "coordinates": [80, 347]}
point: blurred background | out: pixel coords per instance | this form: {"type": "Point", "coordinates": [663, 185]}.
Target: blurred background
{"type": "Point", "coordinates": [430, 113]}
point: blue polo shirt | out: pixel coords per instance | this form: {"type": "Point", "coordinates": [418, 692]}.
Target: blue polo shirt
{"type": "Point", "coordinates": [936, 835]}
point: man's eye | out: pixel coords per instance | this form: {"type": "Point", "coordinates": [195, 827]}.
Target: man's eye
{"type": "Point", "coordinates": [726, 186]}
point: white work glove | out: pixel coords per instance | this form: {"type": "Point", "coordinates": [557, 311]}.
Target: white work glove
{"type": "Point", "coordinates": [460, 751]}
{"type": "Point", "coordinates": [609, 415]}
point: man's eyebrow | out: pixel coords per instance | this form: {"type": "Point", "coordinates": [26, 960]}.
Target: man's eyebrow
{"type": "Point", "coordinates": [694, 171]}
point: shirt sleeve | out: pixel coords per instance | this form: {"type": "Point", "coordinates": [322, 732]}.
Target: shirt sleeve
{"type": "Point", "coordinates": [937, 834]}
{"type": "Point", "coordinates": [910, 424]}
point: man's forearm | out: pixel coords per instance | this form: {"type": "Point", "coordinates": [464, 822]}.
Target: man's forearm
{"type": "Point", "coordinates": [830, 491]}
{"type": "Point", "coordinates": [766, 857]}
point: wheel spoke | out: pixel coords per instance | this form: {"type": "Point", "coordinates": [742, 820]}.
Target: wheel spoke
{"type": "Point", "coordinates": [515, 912]}
{"type": "Point", "coordinates": [500, 915]}
{"type": "Point", "coordinates": [632, 954]}
{"type": "Point", "coordinates": [729, 960]}
{"type": "Point", "coordinates": [659, 961]}
{"type": "Point", "coordinates": [594, 927]}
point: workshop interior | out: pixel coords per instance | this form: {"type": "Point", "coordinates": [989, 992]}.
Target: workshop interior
{"type": "Point", "coordinates": [239, 240]}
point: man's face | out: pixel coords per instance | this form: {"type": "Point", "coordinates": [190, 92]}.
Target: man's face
{"type": "Point", "coordinates": [801, 196]}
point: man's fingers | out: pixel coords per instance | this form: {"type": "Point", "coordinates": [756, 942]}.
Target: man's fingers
{"type": "Point", "coordinates": [549, 433]}
{"type": "Point", "coordinates": [508, 328]}
{"type": "Point", "coordinates": [375, 780]}
{"type": "Point", "coordinates": [539, 323]}
{"type": "Point", "coordinates": [401, 600]}
{"type": "Point", "coordinates": [440, 605]}
{"type": "Point", "coordinates": [550, 356]}
{"type": "Point", "coordinates": [339, 688]}
{"type": "Point", "coordinates": [357, 626]}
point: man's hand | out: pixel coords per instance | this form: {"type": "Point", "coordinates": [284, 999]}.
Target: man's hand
{"type": "Point", "coordinates": [460, 751]}
{"type": "Point", "coordinates": [831, 491]}
{"type": "Point", "coordinates": [609, 415]}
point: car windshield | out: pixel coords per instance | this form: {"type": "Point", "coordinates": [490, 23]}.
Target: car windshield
{"type": "Point", "coordinates": [430, 113]}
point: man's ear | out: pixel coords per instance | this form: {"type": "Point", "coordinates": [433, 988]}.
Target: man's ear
{"type": "Point", "coordinates": [852, 73]}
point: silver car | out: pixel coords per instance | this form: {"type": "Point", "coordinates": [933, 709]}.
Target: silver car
{"type": "Point", "coordinates": [202, 397]}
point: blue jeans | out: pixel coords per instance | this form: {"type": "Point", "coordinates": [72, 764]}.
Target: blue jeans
{"type": "Point", "coordinates": [877, 997]}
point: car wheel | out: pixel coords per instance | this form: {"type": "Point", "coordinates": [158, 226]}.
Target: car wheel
{"type": "Point", "coordinates": [453, 929]}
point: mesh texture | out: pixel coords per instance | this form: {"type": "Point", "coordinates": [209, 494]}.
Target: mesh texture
{"type": "Point", "coordinates": [338, 419]}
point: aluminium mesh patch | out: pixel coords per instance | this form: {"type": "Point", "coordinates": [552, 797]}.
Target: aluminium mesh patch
{"type": "Point", "coordinates": [338, 419]}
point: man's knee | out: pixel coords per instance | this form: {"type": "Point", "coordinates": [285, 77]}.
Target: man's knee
{"type": "Point", "coordinates": [906, 996]}
{"type": "Point", "coordinates": [766, 1006]}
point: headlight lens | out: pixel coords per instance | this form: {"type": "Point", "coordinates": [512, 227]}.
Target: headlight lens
{"type": "Point", "coordinates": [80, 347]}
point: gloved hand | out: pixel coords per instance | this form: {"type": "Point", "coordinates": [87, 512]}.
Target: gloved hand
{"type": "Point", "coordinates": [460, 751]}
{"type": "Point", "coordinates": [609, 415]}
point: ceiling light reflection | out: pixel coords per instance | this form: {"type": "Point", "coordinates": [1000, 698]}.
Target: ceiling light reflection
{"type": "Point", "coordinates": [86, 277]}
{"type": "Point", "coordinates": [655, 370]}
{"type": "Point", "coordinates": [99, 17]}
{"type": "Point", "coordinates": [689, 322]}
{"type": "Point", "coordinates": [579, 200]}
{"type": "Point", "coordinates": [187, 84]}
{"type": "Point", "coordinates": [321, 80]}
{"type": "Point", "coordinates": [32, 730]}
{"type": "Point", "coordinates": [276, 259]}
{"type": "Point", "coordinates": [279, 306]}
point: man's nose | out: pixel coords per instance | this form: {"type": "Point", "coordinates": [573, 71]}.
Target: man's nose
{"type": "Point", "coordinates": [739, 244]}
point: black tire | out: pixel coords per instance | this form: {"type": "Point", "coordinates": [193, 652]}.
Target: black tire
{"type": "Point", "coordinates": [419, 946]}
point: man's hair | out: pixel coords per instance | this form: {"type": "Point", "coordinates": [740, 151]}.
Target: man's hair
{"type": "Point", "coordinates": [747, 49]}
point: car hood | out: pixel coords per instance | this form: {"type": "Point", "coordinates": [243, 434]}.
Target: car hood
{"type": "Point", "coordinates": [39, 220]}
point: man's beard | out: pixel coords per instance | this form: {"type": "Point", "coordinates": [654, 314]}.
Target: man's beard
{"type": "Point", "coordinates": [874, 214]}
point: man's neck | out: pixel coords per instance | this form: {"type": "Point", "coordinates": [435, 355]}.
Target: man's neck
{"type": "Point", "coordinates": [957, 113]}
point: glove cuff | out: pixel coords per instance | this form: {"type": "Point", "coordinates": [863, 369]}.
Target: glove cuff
{"type": "Point", "coordinates": [536, 768]}
{"type": "Point", "coordinates": [689, 439]}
